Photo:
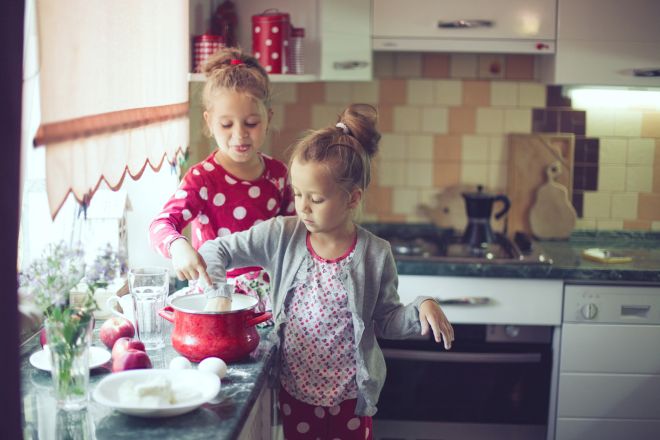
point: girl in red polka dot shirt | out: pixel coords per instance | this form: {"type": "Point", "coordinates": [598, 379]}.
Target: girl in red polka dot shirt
{"type": "Point", "coordinates": [334, 286]}
{"type": "Point", "coordinates": [236, 186]}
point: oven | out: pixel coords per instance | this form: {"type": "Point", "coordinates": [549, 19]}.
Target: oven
{"type": "Point", "coordinates": [499, 379]}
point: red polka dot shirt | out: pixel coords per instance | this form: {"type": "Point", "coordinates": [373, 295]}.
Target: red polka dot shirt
{"type": "Point", "coordinates": [216, 203]}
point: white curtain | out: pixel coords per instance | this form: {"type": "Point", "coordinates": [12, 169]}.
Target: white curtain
{"type": "Point", "coordinates": [114, 91]}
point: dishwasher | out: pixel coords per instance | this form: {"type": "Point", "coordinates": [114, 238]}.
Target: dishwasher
{"type": "Point", "coordinates": [609, 369]}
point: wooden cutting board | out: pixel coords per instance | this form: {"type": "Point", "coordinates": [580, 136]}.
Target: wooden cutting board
{"type": "Point", "coordinates": [529, 157]}
{"type": "Point", "coordinates": [552, 216]}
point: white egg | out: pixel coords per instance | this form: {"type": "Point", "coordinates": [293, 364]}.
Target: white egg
{"type": "Point", "coordinates": [214, 365]}
{"type": "Point", "coordinates": [180, 363]}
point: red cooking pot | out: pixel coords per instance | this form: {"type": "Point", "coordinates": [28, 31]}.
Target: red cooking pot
{"type": "Point", "coordinates": [228, 335]}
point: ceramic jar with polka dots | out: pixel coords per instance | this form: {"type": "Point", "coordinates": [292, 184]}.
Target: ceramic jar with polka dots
{"type": "Point", "coordinates": [270, 40]}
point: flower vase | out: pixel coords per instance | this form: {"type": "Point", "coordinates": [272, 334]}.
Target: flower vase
{"type": "Point", "coordinates": [69, 341]}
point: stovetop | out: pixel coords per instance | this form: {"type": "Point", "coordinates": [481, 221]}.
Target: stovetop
{"type": "Point", "coordinates": [448, 246]}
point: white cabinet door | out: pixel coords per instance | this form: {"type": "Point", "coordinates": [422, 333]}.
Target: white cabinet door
{"type": "Point", "coordinates": [346, 40]}
{"type": "Point", "coordinates": [465, 25]}
{"type": "Point", "coordinates": [604, 42]}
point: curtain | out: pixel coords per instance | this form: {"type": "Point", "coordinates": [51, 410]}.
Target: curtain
{"type": "Point", "coordinates": [114, 91]}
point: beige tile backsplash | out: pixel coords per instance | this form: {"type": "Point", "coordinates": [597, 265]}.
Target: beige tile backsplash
{"type": "Point", "coordinates": [444, 120]}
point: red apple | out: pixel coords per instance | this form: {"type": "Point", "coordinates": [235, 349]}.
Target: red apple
{"type": "Point", "coordinates": [124, 343]}
{"type": "Point", "coordinates": [42, 337]}
{"type": "Point", "coordinates": [114, 328]}
{"type": "Point", "coordinates": [131, 359]}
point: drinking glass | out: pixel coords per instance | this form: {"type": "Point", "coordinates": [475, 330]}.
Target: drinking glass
{"type": "Point", "coordinates": [149, 287]}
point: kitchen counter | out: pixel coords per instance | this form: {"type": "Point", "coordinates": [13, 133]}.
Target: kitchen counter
{"type": "Point", "coordinates": [568, 264]}
{"type": "Point", "coordinates": [222, 418]}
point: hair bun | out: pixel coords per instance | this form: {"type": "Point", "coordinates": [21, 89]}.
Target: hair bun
{"type": "Point", "coordinates": [361, 120]}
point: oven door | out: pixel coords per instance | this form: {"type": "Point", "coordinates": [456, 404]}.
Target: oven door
{"type": "Point", "coordinates": [493, 383]}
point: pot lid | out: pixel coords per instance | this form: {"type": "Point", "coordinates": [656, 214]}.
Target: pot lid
{"type": "Point", "coordinates": [195, 303]}
{"type": "Point", "coordinates": [478, 194]}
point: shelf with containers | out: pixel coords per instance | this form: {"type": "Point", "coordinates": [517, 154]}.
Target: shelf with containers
{"type": "Point", "coordinates": [337, 41]}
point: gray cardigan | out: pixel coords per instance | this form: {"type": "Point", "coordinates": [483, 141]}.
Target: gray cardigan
{"type": "Point", "coordinates": [279, 246]}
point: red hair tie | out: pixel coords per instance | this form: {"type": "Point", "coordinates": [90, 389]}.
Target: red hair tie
{"type": "Point", "coordinates": [235, 62]}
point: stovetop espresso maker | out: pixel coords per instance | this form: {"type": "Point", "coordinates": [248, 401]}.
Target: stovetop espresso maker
{"type": "Point", "coordinates": [479, 207]}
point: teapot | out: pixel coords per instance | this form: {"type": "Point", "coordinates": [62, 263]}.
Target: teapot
{"type": "Point", "coordinates": [479, 207]}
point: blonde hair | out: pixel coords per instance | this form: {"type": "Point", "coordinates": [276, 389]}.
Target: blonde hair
{"type": "Point", "coordinates": [231, 69]}
{"type": "Point", "coordinates": [346, 147]}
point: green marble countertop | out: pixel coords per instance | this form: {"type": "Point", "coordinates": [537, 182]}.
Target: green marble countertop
{"type": "Point", "coordinates": [221, 418]}
{"type": "Point", "coordinates": [567, 262]}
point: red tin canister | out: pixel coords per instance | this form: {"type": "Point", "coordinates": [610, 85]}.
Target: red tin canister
{"type": "Point", "coordinates": [204, 46]}
{"type": "Point", "coordinates": [270, 40]}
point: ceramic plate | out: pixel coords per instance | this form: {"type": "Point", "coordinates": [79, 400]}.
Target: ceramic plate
{"type": "Point", "coordinates": [193, 387]}
{"type": "Point", "coordinates": [97, 357]}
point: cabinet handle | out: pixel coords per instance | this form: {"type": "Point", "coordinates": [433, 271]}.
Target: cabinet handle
{"type": "Point", "coordinates": [647, 73]}
{"type": "Point", "coordinates": [462, 24]}
{"type": "Point", "coordinates": [350, 65]}
{"type": "Point", "coordinates": [465, 358]}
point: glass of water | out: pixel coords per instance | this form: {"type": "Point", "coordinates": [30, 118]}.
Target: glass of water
{"type": "Point", "coordinates": [149, 287]}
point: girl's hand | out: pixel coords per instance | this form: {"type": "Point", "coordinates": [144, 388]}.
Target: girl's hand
{"type": "Point", "coordinates": [187, 263]}
{"type": "Point", "coordinates": [431, 315]}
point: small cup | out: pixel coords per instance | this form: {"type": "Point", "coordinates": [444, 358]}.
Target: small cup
{"type": "Point", "coordinates": [149, 288]}
{"type": "Point", "coordinates": [126, 304]}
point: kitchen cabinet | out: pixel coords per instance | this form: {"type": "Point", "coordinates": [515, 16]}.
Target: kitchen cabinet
{"type": "Point", "coordinates": [258, 425]}
{"type": "Point", "coordinates": [337, 42]}
{"type": "Point", "coordinates": [606, 42]}
{"type": "Point", "coordinates": [609, 381]}
{"type": "Point", "coordinates": [504, 26]}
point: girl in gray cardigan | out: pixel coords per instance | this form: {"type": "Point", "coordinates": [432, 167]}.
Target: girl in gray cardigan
{"type": "Point", "coordinates": [334, 286]}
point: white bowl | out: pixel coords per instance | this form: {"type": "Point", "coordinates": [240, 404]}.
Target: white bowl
{"type": "Point", "coordinates": [206, 384]}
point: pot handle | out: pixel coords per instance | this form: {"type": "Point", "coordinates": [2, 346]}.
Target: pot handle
{"type": "Point", "coordinates": [258, 318]}
{"type": "Point", "coordinates": [167, 313]}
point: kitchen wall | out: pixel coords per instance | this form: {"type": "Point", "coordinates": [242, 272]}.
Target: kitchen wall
{"type": "Point", "coordinates": [444, 119]}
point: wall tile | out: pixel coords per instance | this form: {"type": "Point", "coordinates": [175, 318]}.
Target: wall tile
{"type": "Point", "coordinates": [611, 177]}
{"type": "Point", "coordinates": [463, 65]}
{"type": "Point", "coordinates": [641, 151]}
{"type": "Point", "coordinates": [298, 116]}
{"type": "Point", "coordinates": [624, 205]}
{"type": "Point", "coordinates": [448, 92]}
{"type": "Point", "coordinates": [655, 226]}
{"type": "Point", "coordinates": [612, 150]}
{"type": "Point", "coordinates": [405, 201]}
{"type": "Point", "coordinates": [420, 92]}
{"type": "Point", "coordinates": [578, 203]}
{"type": "Point", "coordinates": [531, 95]}
{"type": "Point", "coordinates": [518, 120]}
{"type": "Point", "coordinates": [385, 118]}
{"type": "Point", "coordinates": [435, 65]}
{"type": "Point", "coordinates": [311, 93]}
{"type": "Point", "coordinates": [447, 148]}
{"type": "Point", "coordinates": [497, 177]}
{"type": "Point", "coordinates": [628, 123]}
{"type": "Point", "coordinates": [383, 64]}
{"type": "Point", "coordinates": [503, 94]}
{"type": "Point", "coordinates": [609, 225]}
{"type": "Point", "coordinates": [281, 141]}
{"type": "Point", "coordinates": [597, 205]}
{"type": "Point", "coordinates": [392, 147]}
{"type": "Point", "coordinates": [392, 91]}
{"type": "Point", "coordinates": [407, 65]}
{"type": "Point", "coordinates": [419, 147]}
{"type": "Point", "coordinates": [407, 119]}
{"type": "Point", "coordinates": [378, 200]}
{"type": "Point", "coordinates": [545, 121]}
{"type": "Point", "coordinates": [656, 178]}
{"type": "Point", "coordinates": [490, 120]}
{"type": "Point", "coordinates": [586, 150]}
{"type": "Point", "coordinates": [497, 149]}
{"type": "Point", "coordinates": [474, 173]}
{"type": "Point", "coordinates": [277, 120]}
{"type": "Point", "coordinates": [639, 178]}
{"type": "Point", "coordinates": [600, 123]}
{"type": "Point", "coordinates": [651, 124]}
{"type": "Point", "coordinates": [338, 92]}
{"type": "Point", "coordinates": [648, 207]}
{"type": "Point", "coordinates": [491, 66]}
{"type": "Point", "coordinates": [585, 223]}
{"type": "Point", "coordinates": [284, 93]}
{"type": "Point", "coordinates": [446, 174]}
{"type": "Point", "coordinates": [369, 93]}
{"type": "Point", "coordinates": [555, 97]}
{"type": "Point", "coordinates": [391, 173]}
{"type": "Point", "coordinates": [475, 149]}
{"type": "Point", "coordinates": [462, 120]}
{"type": "Point", "coordinates": [519, 67]}
{"type": "Point", "coordinates": [636, 225]}
{"type": "Point", "coordinates": [419, 174]}
{"type": "Point", "coordinates": [435, 120]}
{"type": "Point", "coordinates": [572, 121]}
{"type": "Point", "coordinates": [476, 93]}
{"type": "Point", "coordinates": [324, 115]}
